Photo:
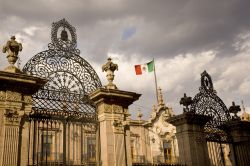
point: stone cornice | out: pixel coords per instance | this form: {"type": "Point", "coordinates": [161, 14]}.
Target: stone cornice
{"type": "Point", "coordinates": [237, 125]}
{"type": "Point", "coordinates": [189, 118]}
{"type": "Point", "coordinates": [122, 98]}
{"type": "Point", "coordinates": [137, 122]}
{"type": "Point", "coordinates": [22, 83]}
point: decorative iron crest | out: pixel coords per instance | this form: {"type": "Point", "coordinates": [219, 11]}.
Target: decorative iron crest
{"type": "Point", "coordinates": [206, 102]}
{"type": "Point", "coordinates": [63, 37]}
{"type": "Point", "coordinates": [206, 82]}
{"type": "Point", "coordinates": [70, 77]}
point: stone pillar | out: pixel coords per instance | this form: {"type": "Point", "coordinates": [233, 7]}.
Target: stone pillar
{"type": "Point", "coordinates": [239, 130]}
{"type": "Point", "coordinates": [240, 135]}
{"type": "Point", "coordinates": [113, 116]}
{"type": "Point", "coordinates": [191, 138]}
{"type": "Point", "coordinates": [15, 104]}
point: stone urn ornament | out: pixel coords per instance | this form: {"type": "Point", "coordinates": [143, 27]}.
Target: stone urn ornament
{"type": "Point", "coordinates": [109, 67]}
{"type": "Point", "coordinates": [12, 48]}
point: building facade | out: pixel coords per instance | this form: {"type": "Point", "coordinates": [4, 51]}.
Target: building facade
{"type": "Point", "coordinates": [154, 140]}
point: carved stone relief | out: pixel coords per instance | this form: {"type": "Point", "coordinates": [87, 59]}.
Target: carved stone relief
{"type": "Point", "coordinates": [107, 108]}
{"type": "Point", "coordinates": [2, 95]}
{"type": "Point", "coordinates": [13, 96]}
{"type": "Point", "coordinates": [117, 109]}
{"type": "Point", "coordinates": [27, 99]}
{"type": "Point", "coordinates": [12, 116]}
{"type": "Point", "coordinates": [118, 126]}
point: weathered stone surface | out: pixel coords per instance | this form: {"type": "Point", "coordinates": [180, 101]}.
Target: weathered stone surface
{"type": "Point", "coordinates": [191, 138]}
{"type": "Point", "coordinates": [113, 117]}
{"type": "Point", "coordinates": [15, 103]}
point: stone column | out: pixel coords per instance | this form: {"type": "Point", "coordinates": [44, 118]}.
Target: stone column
{"type": "Point", "coordinates": [113, 116]}
{"type": "Point", "coordinates": [239, 130]}
{"type": "Point", "coordinates": [191, 138]}
{"type": "Point", "coordinates": [240, 134]}
{"type": "Point", "coordinates": [15, 104]}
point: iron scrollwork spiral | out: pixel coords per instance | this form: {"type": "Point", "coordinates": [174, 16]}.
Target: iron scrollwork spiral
{"type": "Point", "coordinates": [70, 77]}
{"type": "Point", "coordinates": [206, 102]}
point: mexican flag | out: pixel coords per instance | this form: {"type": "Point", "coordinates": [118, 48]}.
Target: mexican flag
{"type": "Point", "coordinates": [144, 68]}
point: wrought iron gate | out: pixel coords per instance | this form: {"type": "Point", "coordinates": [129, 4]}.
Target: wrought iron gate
{"type": "Point", "coordinates": [63, 121]}
{"type": "Point", "coordinates": [206, 102]}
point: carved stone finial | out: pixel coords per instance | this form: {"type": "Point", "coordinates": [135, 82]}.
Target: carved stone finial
{"type": "Point", "coordinates": [186, 102]}
{"type": "Point", "coordinates": [160, 98]}
{"type": "Point", "coordinates": [12, 48]}
{"type": "Point", "coordinates": [234, 109]}
{"type": "Point", "coordinates": [109, 67]}
{"type": "Point", "coordinates": [139, 114]}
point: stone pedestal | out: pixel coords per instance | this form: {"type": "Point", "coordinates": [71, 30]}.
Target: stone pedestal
{"type": "Point", "coordinates": [191, 138]}
{"type": "Point", "coordinates": [15, 104]}
{"type": "Point", "coordinates": [113, 116]}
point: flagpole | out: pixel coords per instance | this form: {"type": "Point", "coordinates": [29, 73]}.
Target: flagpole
{"type": "Point", "coordinates": [156, 86]}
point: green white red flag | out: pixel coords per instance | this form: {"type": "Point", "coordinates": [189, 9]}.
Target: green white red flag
{"type": "Point", "coordinates": [144, 68]}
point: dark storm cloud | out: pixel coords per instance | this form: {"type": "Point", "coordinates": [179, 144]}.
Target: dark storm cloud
{"type": "Point", "coordinates": [191, 26]}
{"type": "Point", "coordinates": [164, 27]}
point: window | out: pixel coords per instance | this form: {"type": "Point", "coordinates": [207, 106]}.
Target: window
{"type": "Point", "coordinates": [91, 144]}
{"type": "Point", "coordinates": [46, 145]}
{"type": "Point", "coordinates": [167, 150]}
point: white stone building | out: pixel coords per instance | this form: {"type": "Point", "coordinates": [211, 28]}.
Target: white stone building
{"type": "Point", "coordinates": [154, 140]}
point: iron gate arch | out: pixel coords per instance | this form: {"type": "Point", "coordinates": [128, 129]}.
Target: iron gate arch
{"type": "Point", "coordinates": [206, 102]}
{"type": "Point", "coordinates": [63, 120]}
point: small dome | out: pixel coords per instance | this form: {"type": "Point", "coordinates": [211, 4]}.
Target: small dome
{"type": "Point", "coordinates": [245, 116]}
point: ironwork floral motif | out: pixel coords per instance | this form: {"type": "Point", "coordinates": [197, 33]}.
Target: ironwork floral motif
{"type": "Point", "coordinates": [206, 102]}
{"type": "Point", "coordinates": [70, 77]}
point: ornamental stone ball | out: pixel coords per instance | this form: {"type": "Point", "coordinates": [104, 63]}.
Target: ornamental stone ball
{"type": "Point", "coordinates": [109, 67]}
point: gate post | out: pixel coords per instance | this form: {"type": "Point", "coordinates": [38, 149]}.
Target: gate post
{"type": "Point", "coordinates": [113, 116]}
{"type": "Point", "coordinates": [15, 104]}
{"type": "Point", "coordinates": [240, 135]}
{"type": "Point", "coordinates": [191, 138]}
{"type": "Point", "coordinates": [239, 130]}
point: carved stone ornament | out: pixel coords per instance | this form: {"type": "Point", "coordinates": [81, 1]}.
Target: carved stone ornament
{"type": "Point", "coordinates": [163, 118]}
{"type": "Point", "coordinates": [118, 126]}
{"type": "Point", "coordinates": [112, 109]}
{"type": "Point", "coordinates": [117, 109]}
{"type": "Point", "coordinates": [109, 67]}
{"type": "Point", "coordinates": [107, 108]}
{"type": "Point", "coordinates": [13, 96]}
{"type": "Point", "coordinates": [12, 116]}
{"type": "Point", "coordinates": [2, 95]}
{"type": "Point", "coordinates": [27, 99]}
{"type": "Point", "coordinates": [12, 48]}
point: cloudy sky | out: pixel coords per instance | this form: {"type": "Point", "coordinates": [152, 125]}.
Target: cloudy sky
{"type": "Point", "coordinates": [185, 37]}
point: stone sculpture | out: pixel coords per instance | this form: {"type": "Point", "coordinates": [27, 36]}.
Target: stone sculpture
{"type": "Point", "coordinates": [109, 68]}
{"type": "Point", "coordinates": [12, 48]}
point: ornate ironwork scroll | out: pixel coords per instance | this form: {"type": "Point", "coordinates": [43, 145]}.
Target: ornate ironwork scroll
{"type": "Point", "coordinates": [206, 102]}
{"type": "Point", "coordinates": [70, 77]}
